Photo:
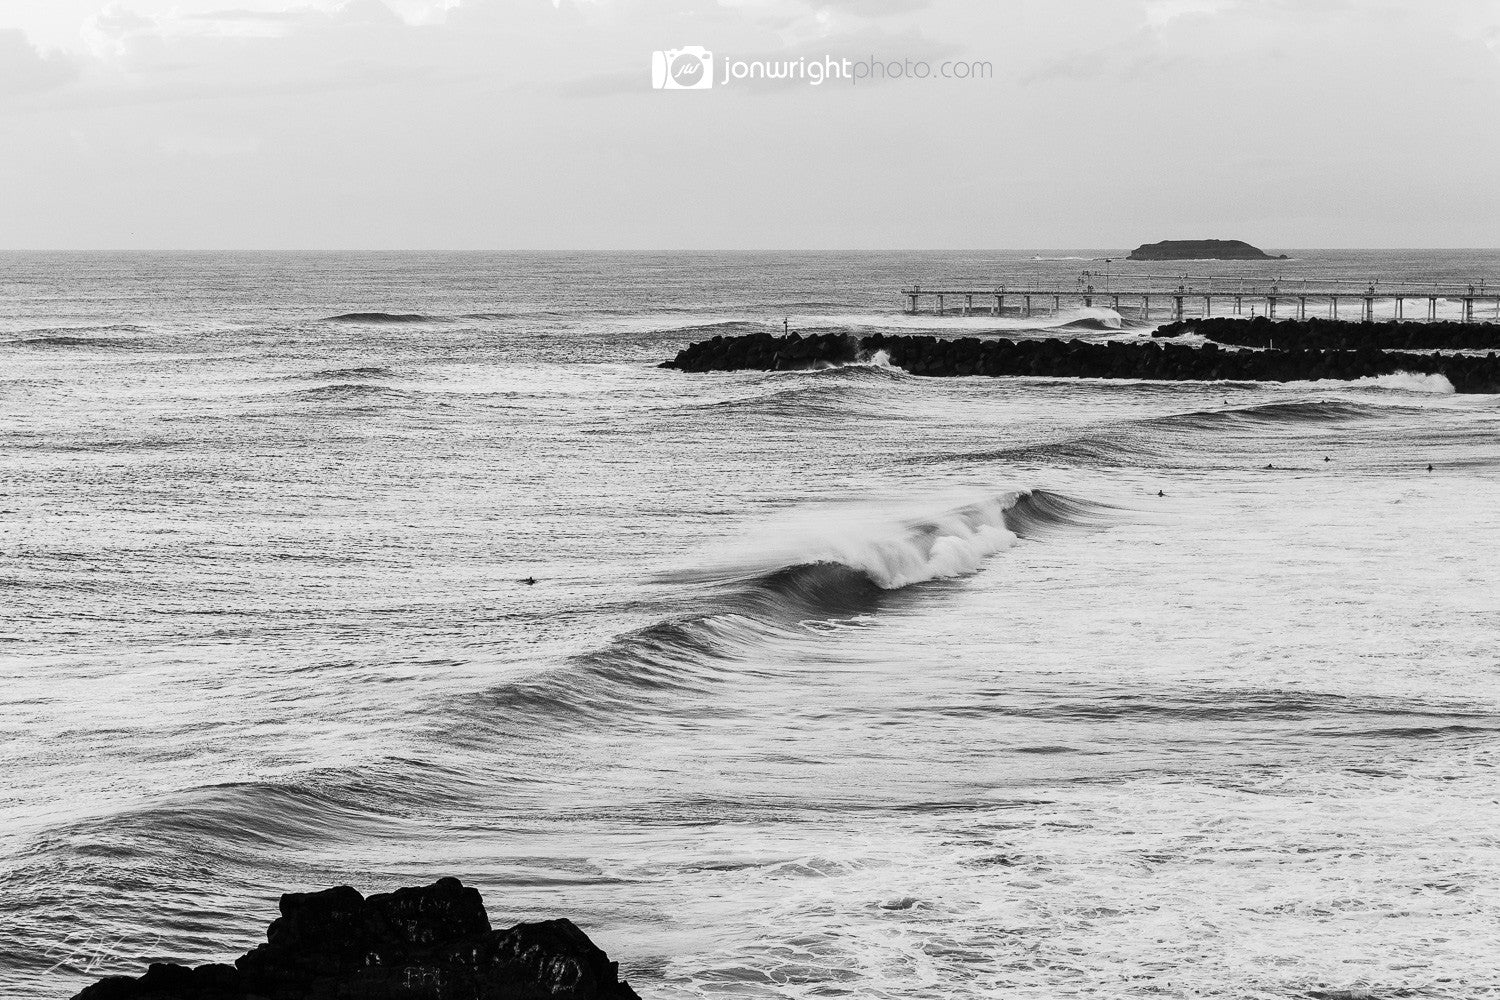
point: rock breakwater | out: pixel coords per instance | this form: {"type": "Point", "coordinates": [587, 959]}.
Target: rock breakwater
{"type": "Point", "coordinates": [1160, 359]}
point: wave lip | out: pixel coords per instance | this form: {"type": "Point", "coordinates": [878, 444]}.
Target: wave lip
{"type": "Point", "coordinates": [1043, 513]}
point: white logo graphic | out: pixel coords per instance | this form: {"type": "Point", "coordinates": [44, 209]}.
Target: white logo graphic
{"type": "Point", "coordinates": [688, 68]}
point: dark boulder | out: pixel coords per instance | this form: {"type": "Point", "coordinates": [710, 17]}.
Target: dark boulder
{"type": "Point", "coordinates": [428, 943]}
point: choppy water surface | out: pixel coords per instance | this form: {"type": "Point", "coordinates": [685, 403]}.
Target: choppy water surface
{"type": "Point", "coordinates": [831, 683]}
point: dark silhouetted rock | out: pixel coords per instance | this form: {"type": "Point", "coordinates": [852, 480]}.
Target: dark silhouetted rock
{"type": "Point", "coordinates": [429, 943]}
{"type": "Point", "coordinates": [1160, 359]}
{"type": "Point", "coordinates": [1200, 250]}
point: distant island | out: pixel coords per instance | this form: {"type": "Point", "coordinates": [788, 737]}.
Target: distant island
{"type": "Point", "coordinates": [1200, 250]}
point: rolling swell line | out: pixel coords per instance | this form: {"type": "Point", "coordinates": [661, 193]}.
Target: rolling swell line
{"type": "Point", "coordinates": [60, 341]}
{"type": "Point", "coordinates": [341, 374]}
{"type": "Point", "coordinates": [1122, 448]}
{"type": "Point", "coordinates": [1292, 412]}
{"type": "Point", "coordinates": [227, 828]}
{"type": "Point", "coordinates": [1162, 440]}
{"type": "Point", "coordinates": [379, 317]}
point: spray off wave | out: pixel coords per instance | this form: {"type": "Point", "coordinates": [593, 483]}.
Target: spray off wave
{"type": "Point", "coordinates": [953, 544]}
{"type": "Point", "coordinates": [917, 550]}
{"type": "Point", "coordinates": [1431, 384]}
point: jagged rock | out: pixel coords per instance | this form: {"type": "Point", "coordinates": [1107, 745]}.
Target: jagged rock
{"type": "Point", "coordinates": [427, 943]}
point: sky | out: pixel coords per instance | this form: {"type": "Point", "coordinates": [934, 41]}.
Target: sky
{"type": "Point", "coordinates": [523, 125]}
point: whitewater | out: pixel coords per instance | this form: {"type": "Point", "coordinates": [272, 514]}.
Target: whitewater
{"type": "Point", "coordinates": [842, 682]}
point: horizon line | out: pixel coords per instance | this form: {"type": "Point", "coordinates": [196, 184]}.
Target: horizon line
{"type": "Point", "coordinates": [1121, 253]}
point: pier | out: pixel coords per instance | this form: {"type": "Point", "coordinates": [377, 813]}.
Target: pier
{"type": "Point", "coordinates": [1151, 296]}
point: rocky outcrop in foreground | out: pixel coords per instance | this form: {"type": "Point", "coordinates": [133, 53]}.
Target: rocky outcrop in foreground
{"type": "Point", "coordinates": [1339, 335]}
{"type": "Point", "coordinates": [1078, 359]}
{"type": "Point", "coordinates": [429, 943]}
{"type": "Point", "coordinates": [1200, 250]}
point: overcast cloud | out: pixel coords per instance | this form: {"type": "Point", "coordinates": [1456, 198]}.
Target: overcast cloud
{"type": "Point", "coordinates": [532, 124]}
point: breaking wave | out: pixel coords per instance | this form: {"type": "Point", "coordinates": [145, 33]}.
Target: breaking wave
{"type": "Point", "coordinates": [954, 544]}
{"type": "Point", "coordinates": [1409, 382]}
{"type": "Point", "coordinates": [740, 609]}
{"type": "Point", "coordinates": [1042, 514]}
{"type": "Point", "coordinates": [869, 366]}
{"type": "Point", "coordinates": [1109, 322]}
{"type": "Point", "coordinates": [915, 551]}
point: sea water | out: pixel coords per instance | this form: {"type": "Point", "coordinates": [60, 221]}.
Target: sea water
{"type": "Point", "coordinates": [837, 682]}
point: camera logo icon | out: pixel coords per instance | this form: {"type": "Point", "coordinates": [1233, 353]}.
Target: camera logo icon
{"type": "Point", "coordinates": [688, 68]}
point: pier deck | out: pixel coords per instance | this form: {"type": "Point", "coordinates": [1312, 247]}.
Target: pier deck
{"type": "Point", "coordinates": [1153, 296]}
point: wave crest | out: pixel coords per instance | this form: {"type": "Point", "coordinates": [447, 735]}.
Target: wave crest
{"type": "Point", "coordinates": [919, 550]}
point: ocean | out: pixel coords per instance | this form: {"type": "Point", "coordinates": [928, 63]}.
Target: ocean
{"type": "Point", "coordinates": [829, 683]}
